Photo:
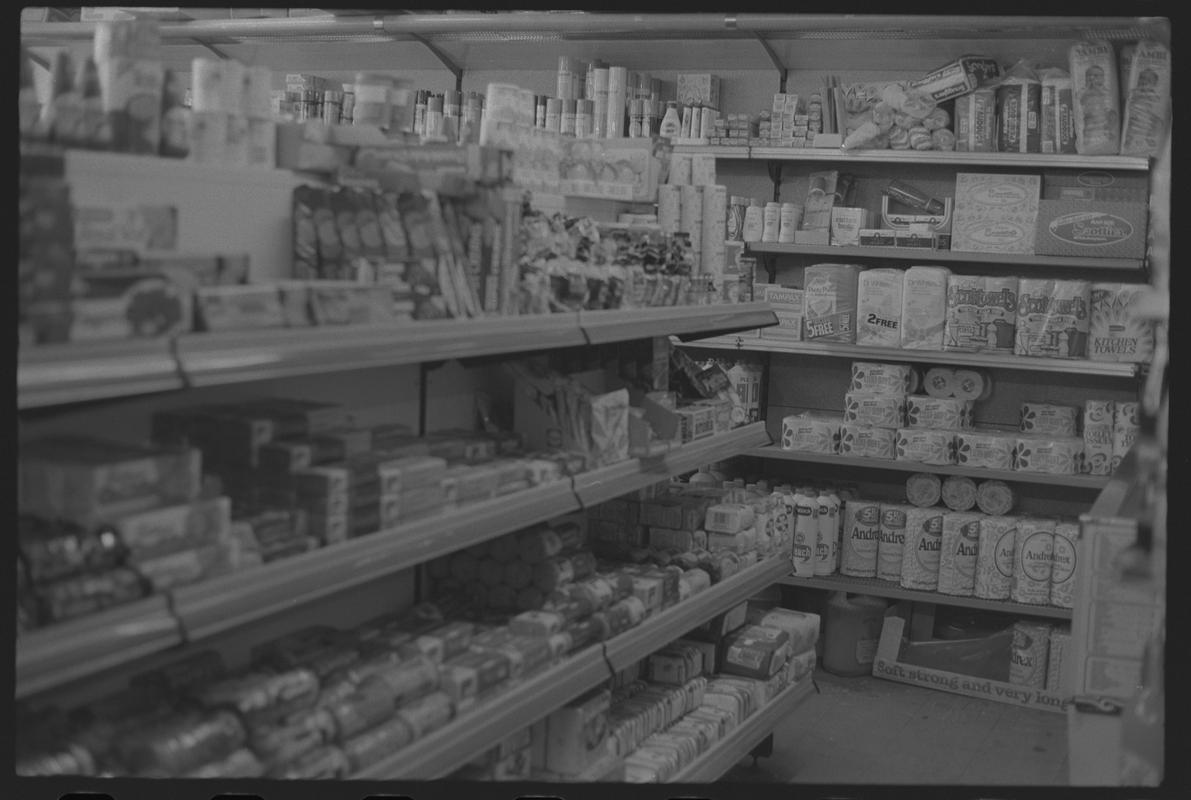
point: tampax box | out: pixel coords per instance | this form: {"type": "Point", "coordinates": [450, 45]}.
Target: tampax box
{"type": "Point", "coordinates": [787, 304]}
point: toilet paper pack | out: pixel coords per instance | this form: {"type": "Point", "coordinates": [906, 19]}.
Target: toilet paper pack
{"type": "Point", "coordinates": [988, 448]}
{"type": "Point", "coordinates": [1053, 318]}
{"type": "Point", "coordinates": [920, 553]}
{"type": "Point", "coordinates": [878, 378]}
{"type": "Point", "coordinates": [959, 549]}
{"type": "Point", "coordinates": [879, 307]}
{"type": "Point", "coordinates": [867, 441]}
{"type": "Point", "coordinates": [924, 307]}
{"type": "Point", "coordinates": [1097, 437]}
{"type": "Point", "coordinates": [940, 413]}
{"type": "Point", "coordinates": [1027, 660]}
{"type": "Point", "coordinates": [1053, 455]}
{"type": "Point", "coordinates": [1064, 558]}
{"type": "Point", "coordinates": [981, 313]}
{"type": "Point", "coordinates": [1116, 333]}
{"type": "Point", "coordinates": [811, 433]}
{"type": "Point", "coordinates": [1033, 551]}
{"type": "Point", "coordinates": [892, 540]}
{"type": "Point", "coordinates": [994, 559]}
{"type": "Point", "coordinates": [829, 292]}
{"type": "Point", "coordinates": [1048, 419]}
{"type": "Point", "coordinates": [926, 446]}
{"type": "Point", "coordinates": [881, 410]}
{"type": "Point", "coordinates": [861, 536]}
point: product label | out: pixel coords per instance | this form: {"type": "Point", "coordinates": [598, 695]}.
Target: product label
{"type": "Point", "coordinates": [1092, 229]}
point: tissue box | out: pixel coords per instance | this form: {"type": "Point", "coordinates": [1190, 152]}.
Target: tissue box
{"type": "Point", "coordinates": [1091, 229]}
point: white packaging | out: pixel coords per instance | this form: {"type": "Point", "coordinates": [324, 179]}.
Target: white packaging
{"type": "Point", "coordinates": [995, 497]}
{"type": "Point", "coordinates": [920, 554]}
{"type": "Point", "coordinates": [787, 306]}
{"type": "Point", "coordinates": [830, 294]}
{"type": "Point", "coordinates": [880, 410]}
{"type": "Point", "coordinates": [959, 550]}
{"type": "Point", "coordinates": [1097, 437]}
{"type": "Point", "coordinates": [924, 489]}
{"type": "Point", "coordinates": [879, 307]}
{"type": "Point", "coordinates": [1047, 419]}
{"type": "Point", "coordinates": [1053, 455]}
{"type": "Point", "coordinates": [208, 137]}
{"type": "Point", "coordinates": [1147, 100]}
{"type": "Point", "coordinates": [867, 441]}
{"type": "Point", "coordinates": [924, 307]}
{"type": "Point", "coordinates": [995, 558]}
{"type": "Point", "coordinates": [617, 88]}
{"type": "Point", "coordinates": [892, 541]}
{"type": "Point", "coordinates": [257, 100]}
{"type": "Point", "coordinates": [926, 446]}
{"type": "Point", "coordinates": [1064, 559]}
{"type": "Point", "coordinates": [1124, 431]}
{"type": "Point", "coordinates": [1052, 318]}
{"type": "Point", "coordinates": [846, 224]}
{"type": "Point", "coordinates": [703, 170]}
{"type": "Point", "coordinates": [669, 208]}
{"type": "Point", "coordinates": [861, 536]}
{"type": "Point", "coordinates": [262, 143]}
{"type": "Point", "coordinates": [988, 448]}
{"type": "Point", "coordinates": [939, 382]}
{"type": "Point", "coordinates": [981, 313]}
{"type": "Point", "coordinates": [959, 493]}
{"type": "Point", "coordinates": [972, 384]}
{"type": "Point", "coordinates": [236, 150]}
{"type": "Point", "coordinates": [995, 213]}
{"type": "Point", "coordinates": [940, 413]}
{"type": "Point", "coordinates": [206, 84]}
{"type": "Point", "coordinates": [811, 433]}
{"type": "Point", "coordinates": [1115, 333]}
{"type": "Point", "coordinates": [806, 532]}
{"type": "Point", "coordinates": [1096, 98]}
{"type": "Point", "coordinates": [713, 229]}
{"type": "Point", "coordinates": [1033, 551]}
{"type": "Point", "coordinates": [877, 378]}
{"type": "Point", "coordinates": [681, 171]}
{"type": "Point", "coordinates": [691, 214]}
{"type": "Point", "coordinates": [827, 545]}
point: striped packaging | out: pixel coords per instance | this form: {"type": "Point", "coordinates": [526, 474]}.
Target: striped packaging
{"type": "Point", "coordinates": [892, 541]}
{"type": "Point", "coordinates": [1033, 551]}
{"type": "Point", "coordinates": [1097, 437]}
{"type": "Point", "coordinates": [920, 555]}
{"type": "Point", "coordinates": [957, 556]}
{"type": "Point", "coordinates": [994, 560]}
{"type": "Point", "coordinates": [862, 532]}
{"type": "Point", "coordinates": [1027, 660]}
{"type": "Point", "coordinates": [1064, 558]}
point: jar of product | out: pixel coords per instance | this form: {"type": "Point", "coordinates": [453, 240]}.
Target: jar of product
{"type": "Point", "coordinates": [737, 206]}
{"type": "Point", "coordinates": [789, 220]}
{"type": "Point", "coordinates": [771, 218]}
{"type": "Point", "coordinates": [372, 100]}
{"type": "Point", "coordinates": [754, 223]}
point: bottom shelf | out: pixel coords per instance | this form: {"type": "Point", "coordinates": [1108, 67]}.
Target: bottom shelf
{"type": "Point", "coordinates": [722, 756]}
{"type": "Point", "coordinates": [881, 588]}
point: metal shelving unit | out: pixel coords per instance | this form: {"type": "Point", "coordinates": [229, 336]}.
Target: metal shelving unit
{"type": "Point", "coordinates": [917, 254]}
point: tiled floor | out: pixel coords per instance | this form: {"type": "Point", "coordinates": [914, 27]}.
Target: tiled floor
{"type": "Point", "coordinates": [867, 730]}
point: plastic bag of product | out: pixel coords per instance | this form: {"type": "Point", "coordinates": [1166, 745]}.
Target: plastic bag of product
{"type": "Point", "coordinates": [1096, 96]}
{"type": "Point", "coordinates": [1147, 100]}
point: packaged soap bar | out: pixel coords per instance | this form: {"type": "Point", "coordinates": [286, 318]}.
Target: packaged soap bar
{"type": "Point", "coordinates": [867, 441]}
{"type": "Point", "coordinates": [879, 307]}
{"type": "Point", "coordinates": [811, 433]}
{"type": "Point", "coordinates": [1097, 437]}
{"type": "Point", "coordinates": [1054, 455]}
{"type": "Point", "coordinates": [958, 553]}
{"type": "Point", "coordinates": [1052, 318]}
{"type": "Point", "coordinates": [880, 378]}
{"type": "Point", "coordinates": [981, 313]}
{"type": "Point", "coordinates": [988, 448]}
{"type": "Point", "coordinates": [1048, 419]}
{"type": "Point", "coordinates": [830, 295]}
{"type": "Point", "coordinates": [939, 413]}
{"type": "Point", "coordinates": [880, 410]}
{"type": "Point", "coordinates": [994, 559]}
{"type": "Point", "coordinates": [927, 446]}
{"type": "Point", "coordinates": [924, 307]}
{"type": "Point", "coordinates": [1115, 333]}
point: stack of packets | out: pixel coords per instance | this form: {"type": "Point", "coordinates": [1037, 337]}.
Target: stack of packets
{"type": "Point", "coordinates": [1099, 435]}
{"type": "Point", "coordinates": [691, 202]}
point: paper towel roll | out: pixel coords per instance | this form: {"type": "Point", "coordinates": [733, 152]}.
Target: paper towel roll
{"type": "Point", "coordinates": [995, 497]}
{"type": "Point", "coordinates": [861, 535]}
{"type": "Point", "coordinates": [811, 433]}
{"type": "Point", "coordinates": [994, 560]}
{"type": "Point", "coordinates": [1033, 552]}
{"type": "Point", "coordinates": [920, 554]}
{"type": "Point", "coordinates": [939, 382]}
{"type": "Point", "coordinates": [940, 413]}
{"type": "Point", "coordinates": [1097, 437]}
{"type": "Point", "coordinates": [924, 489]}
{"type": "Point", "coordinates": [958, 552]}
{"type": "Point", "coordinates": [867, 441]}
{"type": "Point", "coordinates": [1046, 419]}
{"type": "Point", "coordinates": [959, 493]}
{"type": "Point", "coordinates": [927, 446]}
{"type": "Point", "coordinates": [1053, 455]}
{"type": "Point", "coordinates": [985, 448]}
{"type": "Point", "coordinates": [971, 384]}
{"type": "Point", "coordinates": [924, 308]}
{"type": "Point", "coordinates": [879, 307]}
{"type": "Point", "coordinates": [878, 378]}
{"type": "Point", "coordinates": [714, 229]}
{"type": "Point", "coordinates": [892, 541]}
{"type": "Point", "coordinates": [617, 83]}
{"type": "Point", "coordinates": [1064, 558]}
{"type": "Point", "coordinates": [669, 209]}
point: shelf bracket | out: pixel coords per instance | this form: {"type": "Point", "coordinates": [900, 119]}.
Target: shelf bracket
{"type": "Point", "coordinates": [456, 70]}
{"type": "Point", "coordinates": [224, 56]}
{"type": "Point", "coordinates": [777, 62]}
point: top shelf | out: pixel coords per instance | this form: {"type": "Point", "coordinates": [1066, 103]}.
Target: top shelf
{"type": "Point", "coordinates": [929, 157]}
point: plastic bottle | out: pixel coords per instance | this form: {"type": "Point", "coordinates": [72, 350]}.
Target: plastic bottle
{"type": "Point", "coordinates": [770, 222]}
{"type": "Point", "coordinates": [754, 224]}
{"type": "Point", "coordinates": [827, 546]}
{"type": "Point", "coordinates": [806, 532]}
{"type": "Point", "coordinates": [789, 219]}
{"type": "Point", "coordinates": [553, 114]}
{"type": "Point", "coordinates": [851, 630]}
{"type": "Point", "coordinates": [671, 122]}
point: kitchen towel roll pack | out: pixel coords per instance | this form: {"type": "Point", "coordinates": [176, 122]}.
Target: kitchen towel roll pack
{"type": "Point", "coordinates": [924, 308]}
{"type": "Point", "coordinates": [995, 556]}
{"type": "Point", "coordinates": [829, 295]}
{"type": "Point", "coordinates": [1124, 431]}
{"type": "Point", "coordinates": [879, 307]}
{"type": "Point", "coordinates": [959, 493]}
{"type": "Point", "coordinates": [1115, 332]}
{"type": "Point", "coordinates": [920, 553]}
{"type": "Point", "coordinates": [959, 549]}
{"type": "Point", "coordinates": [972, 384]}
{"type": "Point", "coordinates": [1052, 318]}
{"type": "Point", "coordinates": [995, 497]}
{"type": "Point", "coordinates": [981, 313]}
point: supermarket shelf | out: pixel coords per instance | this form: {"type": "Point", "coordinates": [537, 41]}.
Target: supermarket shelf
{"type": "Point", "coordinates": [880, 588]}
{"type": "Point", "coordinates": [54, 374]}
{"type": "Point", "coordinates": [717, 150]}
{"type": "Point", "coordinates": [479, 728]}
{"type": "Point", "coordinates": [222, 603]}
{"type": "Point", "coordinates": [71, 650]}
{"type": "Point", "coordinates": [1034, 160]}
{"type": "Point", "coordinates": [1090, 482]}
{"type": "Point", "coordinates": [917, 254]}
{"type": "Point", "coordinates": [605, 483]}
{"type": "Point", "coordinates": [988, 360]}
{"type": "Point", "coordinates": [725, 342]}
{"type": "Point", "coordinates": [724, 754]}
{"type": "Point", "coordinates": [616, 326]}
{"type": "Point", "coordinates": [636, 643]}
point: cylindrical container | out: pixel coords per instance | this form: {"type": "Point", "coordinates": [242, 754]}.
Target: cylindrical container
{"type": "Point", "coordinates": [670, 208]}
{"type": "Point", "coordinates": [1063, 562]}
{"type": "Point", "coordinates": [617, 86]}
{"type": "Point", "coordinates": [851, 631]}
{"type": "Point", "coordinates": [770, 222]}
{"type": "Point", "coordinates": [1027, 660]}
{"type": "Point", "coordinates": [434, 117]}
{"type": "Point", "coordinates": [789, 218]}
{"type": "Point", "coordinates": [567, 120]}
{"type": "Point", "coordinates": [806, 532]}
{"type": "Point", "coordinates": [583, 118]}
{"type": "Point", "coordinates": [1033, 553]}
{"type": "Point", "coordinates": [566, 77]}
{"type": "Point", "coordinates": [892, 541]}
{"type": "Point", "coordinates": [372, 100]}
{"type": "Point", "coordinates": [207, 76]}
{"type": "Point", "coordinates": [827, 544]}
{"type": "Point", "coordinates": [920, 554]}
{"type": "Point", "coordinates": [958, 552]}
{"type": "Point", "coordinates": [635, 119]}
{"type": "Point", "coordinates": [754, 222]}
{"type": "Point", "coordinates": [553, 114]}
{"type": "Point", "coordinates": [589, 83]}
{"type": "Point", "coordinates": [737, 206]}
{"type": "Point", "coordinates": [452, 113]}
{"type": "Point", "coordinates": [680, 169]}
{"type": "Point", "coordinates": [208, 136]}
{"type": "Point", "coordinates": [236, 150]}
{"type": "Point", "coordinates": [994, 558]}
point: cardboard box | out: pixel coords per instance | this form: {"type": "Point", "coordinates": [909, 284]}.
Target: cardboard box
{"type": "Point", "coordinates": [877, 237]}
{"type": "Point", "coordinates": [1091, 229]}
{"type": "Point", "coordinates": [699, 89]}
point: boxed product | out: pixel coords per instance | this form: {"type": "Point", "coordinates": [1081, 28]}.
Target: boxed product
{"type": "Point", "coordinates": [924, 307]}
{"type": "Point", "coordinates": [846, 224]}
{"type": "Point", "coordinates": [879, 307]}
{"type": "Point", "coordinates": [165, 530]}
{"type": "Point", "coordinates": [1115, 333]}
{"type": "Point", "coordinates": [129, 304]}
{"type": "Point", "coordinates": [814, 433]}
{"type": "Point", "coordinates": [788, 305]}
{"type": "Point", "coordinates": [1091, 229]}
{"type": "Point", "coordinates": [995, 213]}
{"type": "Point", "coordinates": [1097, 437]}
{"type": "Point", "coordinates": [576, 734]}
{"type": "Point", "coordinates": [1054, 455]}
{"type": "Point", "coordinates": [960, 77]}
{"type": "Point", "coordinates": [867, 441]}
{"type": "Point", "coordinates": [1053, 318]}
{"type": "Point", "coordinates": [801, 627]}
{"type": "Point", "coordinates": [880, 410]}
{"type": "Point", "coordinates": [981, 313]}
{"type": "Point", "coordinates": [829, 292]}
{"type": "Point", "coordinates": [939, 413]}
{"type": "Point", "coordinates": [976, 121]}
{"type": "Point", "coordinates": [698, 89]}
{"type": "Point", "coordinates": [927, 446]}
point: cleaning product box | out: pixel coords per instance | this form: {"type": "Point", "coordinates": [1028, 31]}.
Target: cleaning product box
{"type": "Point", "coordinates": [995, 213]}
